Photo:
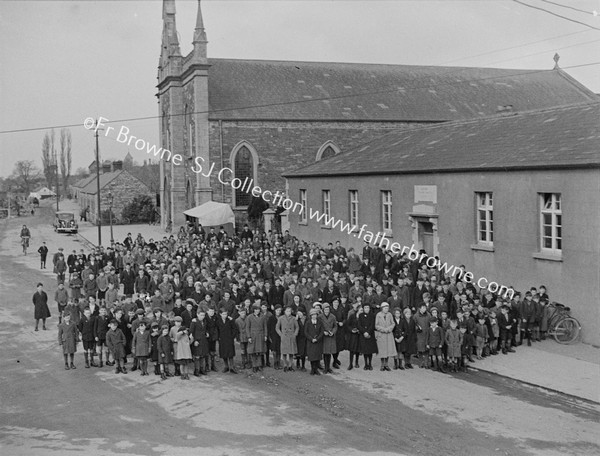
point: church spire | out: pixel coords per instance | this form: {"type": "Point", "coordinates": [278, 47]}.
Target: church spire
{"type": "Point", "coordinates": [200, 41]}
{"type": "Point", "coordinates": [170, 41]}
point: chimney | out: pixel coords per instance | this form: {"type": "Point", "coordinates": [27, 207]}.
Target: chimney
{"type": "Point", "coordinates": [105, 167]}
{"type": "Point", "coordinates": [117, 165]}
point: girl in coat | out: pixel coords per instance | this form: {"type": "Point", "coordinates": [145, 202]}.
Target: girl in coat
{"type": "Point", "coordinates": [287, 329]}
{"type": "Point", "coordinates": [165, 352]}
{"type": "Point", "coordinates": [454, 340]}
{"type": "Point", "coordinates": [67, 338]}
{"type": "Point", "coordinates": [140, 346]}
{"type": "Point", "coordinates": [314, 331]}
{"type": "Point", "coordinates": [352, 333]}
{"type": "Point", "coordinates": [408, 344]}
{"type": "Point", "coordinates": [384, 328]}
{"type": "Point", "coordinates": [367, 344]}
{"type": "Point", "coordinates": [227, 331]}
{"type": "Point", "coordinates": [301, 340]}
{"type": "Point", "coordinates": [256, 328]}
{"type": "Point", "coordinates": [183, 355]}
{"type": "Point", "coordinates": [200, 343]}
{"type": "Point", "coordinates": [115, 341]}
{"type": "Point", "coordinates": [329, 331]}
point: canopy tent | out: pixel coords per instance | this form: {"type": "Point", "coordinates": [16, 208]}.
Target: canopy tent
{"type": "Point", "coordinates": [213, 214]}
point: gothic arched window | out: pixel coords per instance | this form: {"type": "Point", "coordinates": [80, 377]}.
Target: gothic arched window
{"type": "Point", "coordinates": [327, 150]}
{"type": "Point", "coordinates": [244, 161]}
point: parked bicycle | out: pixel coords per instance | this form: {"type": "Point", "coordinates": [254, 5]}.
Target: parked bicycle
{"type": "Point", "coordinates": [565, 328]}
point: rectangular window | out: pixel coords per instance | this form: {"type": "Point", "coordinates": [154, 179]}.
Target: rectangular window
{"type": "Point", "coordinates": [386, 211]}
{"type": "Point", "coordinates": [303, 216]}
{"type": "Point", "coordinates": [485, 218]}
{"type": "Point", "coordinates": [353, 210]}
{"type": "Point", "coordinates": [551, 222]}
{"type": "Point", "coordinates": [326, 208]}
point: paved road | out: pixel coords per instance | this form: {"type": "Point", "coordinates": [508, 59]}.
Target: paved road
{"type": "Point", "coordinates": [45, 410]}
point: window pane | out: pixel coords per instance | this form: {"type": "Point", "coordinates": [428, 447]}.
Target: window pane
{"type": "Point", "coordinates": [243, 170]}
{"type": "Point", "coordinates": [547, 243]}
{"type": "Point", "coordinates": [547, 231]}
{"type": "Point", "coordinates": [559, 244]}
{"type": "Point", "coordinates": [557, 202]}
{"type": "Point", "coordinates": [547, 219]}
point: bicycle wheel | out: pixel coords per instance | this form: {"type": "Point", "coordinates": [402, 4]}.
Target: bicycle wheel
{"type": "Point", "coordinates": [567, 330]}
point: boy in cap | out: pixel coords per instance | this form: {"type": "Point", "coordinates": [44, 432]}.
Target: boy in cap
{"type": "Point", "coordinates": [115, 341]}
{"type": "Point", "coordinates": [434, 340]}
{"type": "Point", "coordinates": [173, 335]}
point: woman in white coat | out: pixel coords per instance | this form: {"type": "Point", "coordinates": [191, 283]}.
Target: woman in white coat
{"type": "Point", "coordinates": [384, 327]}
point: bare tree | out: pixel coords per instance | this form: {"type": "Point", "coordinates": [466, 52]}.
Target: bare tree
{"type": "Point", "coordinates": [47, 160]}
{"type": "Point", "coordinates": [25, 173]}
{"type": "Point", "coordinates": [65, 158]}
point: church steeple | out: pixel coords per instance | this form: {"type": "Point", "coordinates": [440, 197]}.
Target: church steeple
{"type": "Point", "coordinates": [200, 41]}
{"type": "Point", "coordinates": [170, 41]}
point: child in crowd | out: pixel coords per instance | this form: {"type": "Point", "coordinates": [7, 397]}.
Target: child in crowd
{"type": "Point", "coordinates": [67, 338]}
{"type": "Point", "coordinates": [183, 354]}
{"type": "Point", "coordinates": [454, 338]}
{"type": "Point", "coordinates": [101, 323]}
{"type": "Point", "coordinates": [140, 346]}
{"type": "Point", "coordinates": [165, 352]}
{"type": "Point", "coordinates": [154, 335]}
{"type": "Point", "coordinates": [466, 347]}
{"type": "Point", "coordinates": [494, 332]}
{"type": "Point", "coordinates": [115, 341]}
{"type": "Point", "coordinates": [434, 340]}
{"type": "Point", "coordinates": [481, 335]}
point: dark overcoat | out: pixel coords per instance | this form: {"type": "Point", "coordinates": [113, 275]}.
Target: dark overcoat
{"type": "Point", "coordinates": [340, 335]}
{"type": "Point", "coordinates": [227, 331]}
{"type": "Point", "coordinates": [274, 338]}
{"type": "Point", "coordinates": [314, 350]}
{"type": "Point", "coordinates": [301, 339]}
{"type": "Point", "coordinates": [140, 344]}
{"type": "Point", "coordinates": [352, 333]}
{"type": "Point", "coordinates": [199, 333]}
{"type": "Point", "coordinates": [367, 345]}
{"type": "Point", "coordinates": [165, 349]}
{"type": "Point", "coordinates": [40, 303]}
{"type": "Point", "coordinates": [408, 329]}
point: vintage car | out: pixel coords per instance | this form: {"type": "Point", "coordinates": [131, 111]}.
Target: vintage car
{"type": "Point", "coordinates": [64, 222]}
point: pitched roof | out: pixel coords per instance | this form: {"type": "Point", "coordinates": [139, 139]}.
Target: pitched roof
{"type": "Point", "coordinates": [565, 137]}
{"type": "Point", "coordinates": [105, 178]}
{"type": "Point", "coordinates": [84, 181]}
{"type": "Point", "coordinates": [285, 90]}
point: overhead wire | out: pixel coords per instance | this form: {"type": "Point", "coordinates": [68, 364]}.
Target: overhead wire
{"type": "Point", "coordinates": [555, 14]}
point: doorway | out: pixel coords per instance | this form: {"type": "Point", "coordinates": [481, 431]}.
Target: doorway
{"type": "Point", "coordinates": [425, 233]}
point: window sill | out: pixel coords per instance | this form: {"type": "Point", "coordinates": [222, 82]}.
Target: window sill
{"type": "Point", "coordinates": [303, 223]}
{"type": "Point", "coordinates": [325, 227]}
{"type": "Point", "coordinates": [548, 256]}
{"type": "Point", "coordinates": [388, 233]}
{"type": "Point", "coordinates": [482, 247]}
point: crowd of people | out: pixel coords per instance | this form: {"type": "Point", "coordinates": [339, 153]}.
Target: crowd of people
{"type": "Point", "coordinates": [187, 300]}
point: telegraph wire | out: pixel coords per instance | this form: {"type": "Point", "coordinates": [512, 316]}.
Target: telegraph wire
{"type": "Point", "coordinates": [556, 14]}
{"type": "Point", "coordinates": [568, 7]}
{"type": "Point", "coordinates": [311, 100]}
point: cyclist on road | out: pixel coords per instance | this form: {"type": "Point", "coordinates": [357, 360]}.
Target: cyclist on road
{"type": "Point", "coordinates": [25, 235]}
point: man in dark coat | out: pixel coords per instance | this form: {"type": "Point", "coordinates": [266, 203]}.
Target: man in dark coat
{"type": "Point", "coordinates": [227, 330]}
{"type": "Point", "coordinates": [43, 251]}
{"type": "Point", "coordinates": [86, 329]}
{"type": "Point", "coordinates": [127, 278]}
{"type": "Point", "coordinates": [314, 332]}
{"type": "Point", "coordinates": [40, 303]}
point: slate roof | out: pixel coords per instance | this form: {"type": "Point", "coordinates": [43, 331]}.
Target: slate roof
{"type": "Point", "coordinates": [84, 181]}
{"type": "Point", "coordinates": [286, 90]}
{"type": "Point", "coordinates": [566, 137]}
{"type": "Point", "coordinates": [105, 178]}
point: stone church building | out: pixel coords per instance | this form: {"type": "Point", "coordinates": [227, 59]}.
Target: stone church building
{"type": "Point", "coordinates": [262, 119]}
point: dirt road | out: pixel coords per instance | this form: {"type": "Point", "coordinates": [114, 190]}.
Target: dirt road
{"type": "Point", "coordinates": [45, 410]}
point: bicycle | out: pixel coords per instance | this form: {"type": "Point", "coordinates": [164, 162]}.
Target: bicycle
{"type": "Point", "coordinates": [562, 325]}
{"type": "Point", "coordinates": [25, 244]}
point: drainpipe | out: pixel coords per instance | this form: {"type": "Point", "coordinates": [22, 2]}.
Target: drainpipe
{"type": "Point", "coordinates": [221, 151]}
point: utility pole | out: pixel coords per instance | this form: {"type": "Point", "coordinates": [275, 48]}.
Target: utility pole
{"type": "Point", "coordinates": [99, 212]}
{"type": "Point", "coordinates": [57, 183]}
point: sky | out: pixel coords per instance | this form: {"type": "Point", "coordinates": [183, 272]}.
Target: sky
{"type": "Point", "coordinates": [61, 62]}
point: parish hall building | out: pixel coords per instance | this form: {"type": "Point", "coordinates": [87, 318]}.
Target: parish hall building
{"type": "Point", "coordinates": [492, 168]}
